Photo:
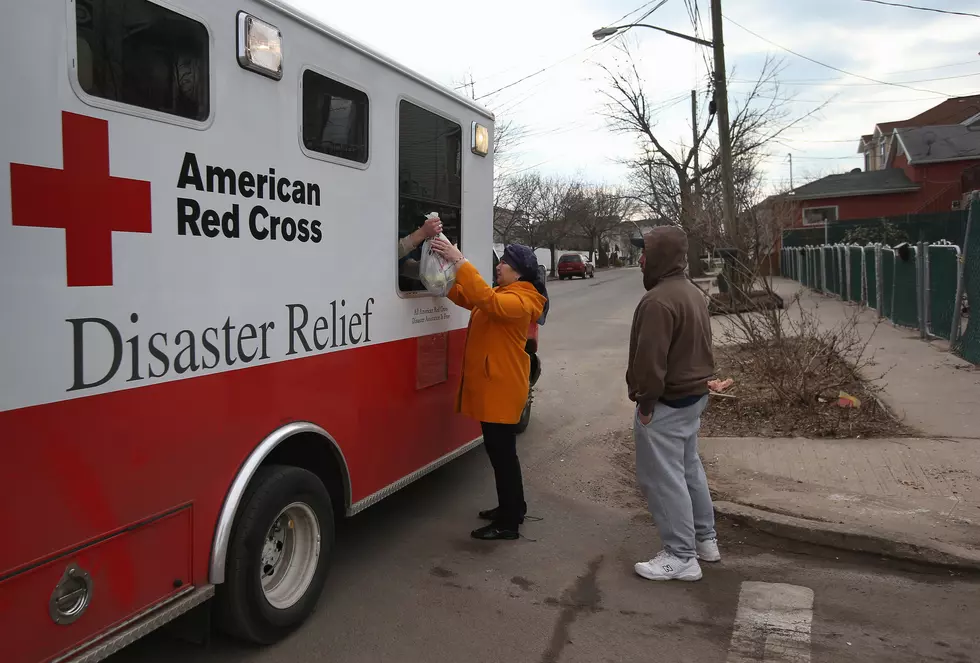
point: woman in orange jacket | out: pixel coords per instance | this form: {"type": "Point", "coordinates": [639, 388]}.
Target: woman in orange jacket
{"type": "Point", "coordinates": [496, 369]}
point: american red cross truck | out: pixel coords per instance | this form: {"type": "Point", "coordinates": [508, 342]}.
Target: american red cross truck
{"type": "Point", "coordinates": [209, 351]}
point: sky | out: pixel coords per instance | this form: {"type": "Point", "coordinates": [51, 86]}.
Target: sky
{"type": "Point", "coordinates": [560, 110]}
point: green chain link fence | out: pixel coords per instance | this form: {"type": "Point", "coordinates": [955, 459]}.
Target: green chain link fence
{"type": "Point", "coordinates": [855, 286]}
{"type": "Point", "coordinates": [944, 265]}
{"type": "Point", "coordinates": [890, 230]}
{"type": "Point", "coordinates": [827, 270]}
{"type": "Point", "coordinates": [920, 287]}
{"type": "Point", "coordinates": [871, 275]}
{"type": "Point", "coordinates": [967, 345]}
{"type": "Point", "coordinates": [905, 307]}
{"type": "Point", "coordinates": [887, 281]}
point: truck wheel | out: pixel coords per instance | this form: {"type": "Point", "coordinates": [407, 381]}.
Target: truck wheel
{"type": "Point", "coordinates": [526, 414]}
{"type": "Point", "coordinates": [277, 556]}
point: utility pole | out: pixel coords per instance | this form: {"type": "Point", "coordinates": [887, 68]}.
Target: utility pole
{"type": "Point", "coordinates": [724, 129]}
{"type": "Point", "coordinates": [791, 171]}
{"type": "Point", "coordinates": [694, 247]}
{"type": "Point", "coordinates": [694, 130]}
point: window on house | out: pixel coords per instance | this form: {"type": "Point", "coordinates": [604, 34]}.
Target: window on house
{"type": "Point", "coordinates": [335, 118]}
{"type": "Point", "coordinates": [138, 53]}
{"type": "Point", "coordinates": [818, 216]}
{"type": "Point", "coordinates": [430, 179]}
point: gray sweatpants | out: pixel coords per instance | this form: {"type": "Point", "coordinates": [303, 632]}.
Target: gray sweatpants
{"type": "Point", "coordinates": [672, 478]}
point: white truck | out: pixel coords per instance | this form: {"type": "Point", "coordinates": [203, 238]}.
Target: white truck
{"type": "Point", "coordinates": [208, 351]}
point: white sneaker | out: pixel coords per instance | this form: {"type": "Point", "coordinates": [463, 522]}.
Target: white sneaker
{"type": "Point", "coordinates": [708, 551]}
{"type": "Point", "coordinates": [666, 566]}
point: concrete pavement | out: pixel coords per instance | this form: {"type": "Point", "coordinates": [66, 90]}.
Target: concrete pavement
{"type": "Point", "coordinates": [916, 498]}
{"type": "Point", "coordinates": [408, 585]}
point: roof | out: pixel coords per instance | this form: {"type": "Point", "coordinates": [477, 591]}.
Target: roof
{"type": "Point", "coordinates": [950, 111]}
{"type": "Point", "coordinates": [855, 183]}
{"type": "Point", "coordinates": [951, 142]}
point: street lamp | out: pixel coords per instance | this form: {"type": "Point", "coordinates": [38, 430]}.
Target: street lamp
{"type": "Point", "coordinates": [721, 101]}
{"type": "Point", "coordinates": [603, 33]}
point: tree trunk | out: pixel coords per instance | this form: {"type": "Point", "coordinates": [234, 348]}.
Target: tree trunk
{"type": "Point", "coordinates": [689, 222]}
{"type": "Point", "coordinates": [554, 263]}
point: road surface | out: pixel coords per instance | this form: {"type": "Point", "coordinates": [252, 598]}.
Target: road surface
{"type": "Point", "coordinates": [408, 585]}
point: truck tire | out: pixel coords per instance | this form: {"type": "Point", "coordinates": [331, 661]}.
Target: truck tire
{"type": "Point", "coordinates": [278, 555]}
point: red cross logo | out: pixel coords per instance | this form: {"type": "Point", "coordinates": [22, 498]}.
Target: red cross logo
{"type": "Point", "coordinates": [83, 199]}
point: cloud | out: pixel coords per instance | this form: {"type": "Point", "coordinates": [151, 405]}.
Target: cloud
{"type": "Point", "coordinates": [561, 109]}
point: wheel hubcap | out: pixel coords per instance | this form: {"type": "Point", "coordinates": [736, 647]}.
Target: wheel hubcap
{"type": "Point", "coordinates": [290, 555]}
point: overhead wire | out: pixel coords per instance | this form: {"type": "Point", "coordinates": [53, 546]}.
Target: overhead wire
{"type": "Point", "coordinates": [573, 55]}
{"type": "Point", "coordinates": [824, 64]}
{"type": "Point", "coordinates": [923, 9]}
{"type": "Point", "coordinates": [824, 82]}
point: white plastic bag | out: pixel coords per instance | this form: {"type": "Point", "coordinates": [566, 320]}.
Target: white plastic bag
{"type": "Point", "coordinates": [437, 274]}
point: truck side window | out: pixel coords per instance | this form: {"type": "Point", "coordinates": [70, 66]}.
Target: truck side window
{"type": "Point", "coordinates": [139, 53]}
{"type": "Point", "coordinates": [335, 118]}
{"type": "Point", "coordinates": [430, 177]}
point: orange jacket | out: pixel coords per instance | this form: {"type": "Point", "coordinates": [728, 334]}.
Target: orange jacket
{"type": "Point", "coordinates": [496, 368]}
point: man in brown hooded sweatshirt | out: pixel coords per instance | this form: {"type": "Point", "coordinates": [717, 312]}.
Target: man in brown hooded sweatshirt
{"type": "Point", "coordinates": [670, 363]}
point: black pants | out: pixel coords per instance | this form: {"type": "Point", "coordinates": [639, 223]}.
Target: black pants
{"type": "Point", "coordinates": [500, 441]}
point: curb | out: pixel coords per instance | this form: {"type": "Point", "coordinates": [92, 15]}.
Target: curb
{"type": "Point", "coordinates": [851, 538]}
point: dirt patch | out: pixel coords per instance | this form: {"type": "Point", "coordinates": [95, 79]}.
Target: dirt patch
{"type": "Point", "coordinates": [756, 411]}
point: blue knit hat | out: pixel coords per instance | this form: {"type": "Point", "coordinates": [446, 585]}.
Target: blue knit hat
{"type": "Point", "coordinates": [522, 259]}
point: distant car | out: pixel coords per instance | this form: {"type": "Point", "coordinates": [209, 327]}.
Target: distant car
{"type": "Point", "coordinates": [575, 264]}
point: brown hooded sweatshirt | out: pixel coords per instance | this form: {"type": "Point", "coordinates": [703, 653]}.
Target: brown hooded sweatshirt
{"type": "Point", "coordinates": [670, 356]}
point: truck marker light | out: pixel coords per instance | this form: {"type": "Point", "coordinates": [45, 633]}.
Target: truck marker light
{"type": "Point", "coordinates": [481, 140]}
{"type": "Point", "coordinates": [259, 46]}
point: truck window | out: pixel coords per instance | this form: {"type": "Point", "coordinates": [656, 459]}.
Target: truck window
{"type": "Point", "coordinates": [136, 52]}
{"type": "Point", "coordinates": [430, 177]}
{"type": "Point", "coordinates": [335, 118]}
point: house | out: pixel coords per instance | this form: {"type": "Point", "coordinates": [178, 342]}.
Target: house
{"type": "Point", "coordinates": [877, 145]}
{"type": "Point", "coordinates": [925, 169]}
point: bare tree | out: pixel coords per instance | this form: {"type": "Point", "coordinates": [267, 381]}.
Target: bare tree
{"type": "Point", "coordinates": [663, 179]}
{"type": "Point", "coordinates": [560, 208]}
{"type": "Point", "coordinates": [604, 210]}
{"type": "Point", "coordinates": [517, 200]}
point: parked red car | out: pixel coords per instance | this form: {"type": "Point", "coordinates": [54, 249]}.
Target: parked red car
{"type": "Point", "coordinates": [575, 264]}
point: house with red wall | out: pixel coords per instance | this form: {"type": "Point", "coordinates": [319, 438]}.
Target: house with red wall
{"type": "Point", "coordinates": [927, 169]}
{"type": "Point", "coordinates": [877, 145]}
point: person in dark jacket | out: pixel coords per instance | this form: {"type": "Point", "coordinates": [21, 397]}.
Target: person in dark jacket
{"type": "Point", "coordinates": [670, 363]}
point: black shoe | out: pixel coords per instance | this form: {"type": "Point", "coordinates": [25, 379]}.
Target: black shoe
{"type": "Point", "coordinates": [494, 514]}
{"type": "Point", "coordinates": [496, 532]}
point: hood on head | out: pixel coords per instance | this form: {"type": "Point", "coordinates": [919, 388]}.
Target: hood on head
{"type": "Point", "coordinates": [665, 254]}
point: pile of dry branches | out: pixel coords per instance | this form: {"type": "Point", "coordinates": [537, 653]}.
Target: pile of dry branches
{"type": "Point", "coordinates": [799, 358]}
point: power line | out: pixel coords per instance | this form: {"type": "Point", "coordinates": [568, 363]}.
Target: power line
{"type": "Point", "coordinates": [573, 55]}
{"type": "Point", "coordinates": [922, 9]}
{"type": "Point", "coordinates": [824, 64]}
{"type": "Point", "coordinates": [822, 82]}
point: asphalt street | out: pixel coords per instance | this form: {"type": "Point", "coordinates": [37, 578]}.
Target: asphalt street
{"type": "Point", "coordinates": [408, 585]}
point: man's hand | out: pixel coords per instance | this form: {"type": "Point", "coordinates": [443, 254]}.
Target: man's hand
{"type": "Point", "coordinates": [432, 227]}
{"type": "Point", "coordinates": [645, 419]}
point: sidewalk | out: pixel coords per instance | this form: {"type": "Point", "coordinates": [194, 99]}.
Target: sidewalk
{"type": "Point", "coordinates": [912, 498]}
